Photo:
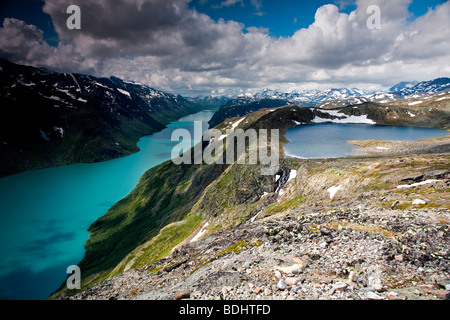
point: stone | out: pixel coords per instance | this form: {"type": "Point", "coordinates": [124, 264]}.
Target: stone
{"type": "Point", "coordinates": [395, 204]}
{"type": "Point", "coordinates": [182, 295]}
{"type": "Point", "coordinates": [392, 295]}
{"type": "Point", "coordinates": [282, 285]}
{"type": "Point", "coordinates": [340, 286]}
{"type": "Point", "coordinates": [267, 291]}
{"type": "Point", "coordinates": [352, 276]}
{"type": "Point", "coordinates": [291, 281]}
{"type": "Point", "coordinates": [373, 296]}
{"type": "Point", "coordinates": [257, 290]}
{"type": "Point", "coordinates": [326, 280]}
{"type": "Point", "coordinates": [295, 289]}
{"type": "Point", "coordinates": [399, 257]}
{"type": "Point", "coordinates": [436, 173]}
{"type": "Point", "coordinates": [277, 274]}
{"type": "Point", "coordinates": [416, 177]}
{"type": "Point", "coordinates": [430, 289]}
{"type": "Point", "coordinates": [295, 270]}
{"type": "Point", "coordinates": [374, 277]}
{"type": "Point", "coordinates": [419, 201]}
{"type": "Point", "coordinates": [226, 290]}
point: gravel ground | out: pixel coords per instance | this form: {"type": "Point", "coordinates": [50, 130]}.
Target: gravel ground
{"type": "Point", "coordinates": [333, 255]}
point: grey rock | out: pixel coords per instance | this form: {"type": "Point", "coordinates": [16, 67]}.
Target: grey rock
{"type": "Point", "coordinates": [373, 296]}
{"type": "Point", "coordinates": [282, 285]}
{"type": "Point", "coordinates": [340, 286]}
{"type": "Point", "coordinates": [436, 173]}
{"type": "Point", "coordinates": [295, 288]}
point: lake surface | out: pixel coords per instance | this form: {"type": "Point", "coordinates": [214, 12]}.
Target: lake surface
{"type": "Point", "coordinates": [329, 140]}
{"type": "Point", "coordinates": [44, 214]}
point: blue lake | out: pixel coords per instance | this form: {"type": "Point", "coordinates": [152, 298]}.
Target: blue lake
{"type": "Point", "coordinates": [44, 214]}
{"type": "Point", "coordinates": [329, 140]}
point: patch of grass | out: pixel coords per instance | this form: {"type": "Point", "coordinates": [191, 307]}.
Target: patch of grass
{"type": "Point", "coordinates": [236, 248]}
{"type": "Point", "coordinates": [285, 205]}
{"type": "Point", "coordinates": [167, 238]}
{"type": "Point", "coordinates": [358, 227]}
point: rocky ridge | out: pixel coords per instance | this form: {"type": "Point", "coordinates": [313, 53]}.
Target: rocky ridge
{"type": "Point", "coordinates": [317, 255]}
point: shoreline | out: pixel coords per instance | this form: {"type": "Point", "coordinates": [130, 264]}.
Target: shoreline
{"type": "Point", "coordinates": [378, 147]}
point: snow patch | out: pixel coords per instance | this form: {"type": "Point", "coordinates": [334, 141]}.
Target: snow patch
{"type": "Point", "coordinates": [414, 103]}
{"type": "Point", "coordinates": [410, 114]}
{"type": "Point", "coordinates": [124, 92]}
{"type": "Point", "coordinates": [292, 175]}
{"type": "Point", "coordinates": [333, 191]}
{"type": "Point", "coordinates": [60, 130]}
{"type": "Point", "coordinates": [351, 119]}
{"type": "Point", "coordinates": [417, 184]}
{"type": "Point", "coordinates": [234, 125]}
{"type": "Point", "coordinates": [76, 82]}
{"type": "Point", "coordinates": [255, 216]}
{"type": "Point", "coordinates": [102, 85]}
{"type": "Point", "coordinates": [55, 98]}
{"type": "Point", "coordinates": [200, 233]}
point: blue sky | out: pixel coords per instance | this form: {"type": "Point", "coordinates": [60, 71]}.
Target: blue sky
{"type": "Point", "coordinates": [284, 17]}
{"type": "Point", "coordinates": [31, 12]}
{"type": "Point", "coordinates": [233, 46]}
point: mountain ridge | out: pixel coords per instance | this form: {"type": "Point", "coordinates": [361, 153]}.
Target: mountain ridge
{"type": "Point", "coordinates": [52, 118]}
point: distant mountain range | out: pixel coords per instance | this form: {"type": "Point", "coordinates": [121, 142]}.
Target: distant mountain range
{"type": "Point", "coordinates": [344, 96]}
{"type": "Point", "coordinates": [51, 118]}
{"type": "Point", "coordinates": [329, 98]}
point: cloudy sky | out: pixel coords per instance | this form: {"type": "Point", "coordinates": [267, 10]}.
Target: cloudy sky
{"type": "Point", "coordinates": [233, 46]}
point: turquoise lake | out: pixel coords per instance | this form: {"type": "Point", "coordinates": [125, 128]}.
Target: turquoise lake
{"type": "Point", "coordinates": [329, 140]}
{"type": "Point", "coordinates": [45, 213]}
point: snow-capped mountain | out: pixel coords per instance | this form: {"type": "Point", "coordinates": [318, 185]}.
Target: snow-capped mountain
{"type": "Point", "coordinates": [308, 98]}
{"type": "Point", "coordinates": [344, 96]}
{"type": "Point", "coordinates": [402, 85]}
{"type": "Point", "coordinates": [424, 88]}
